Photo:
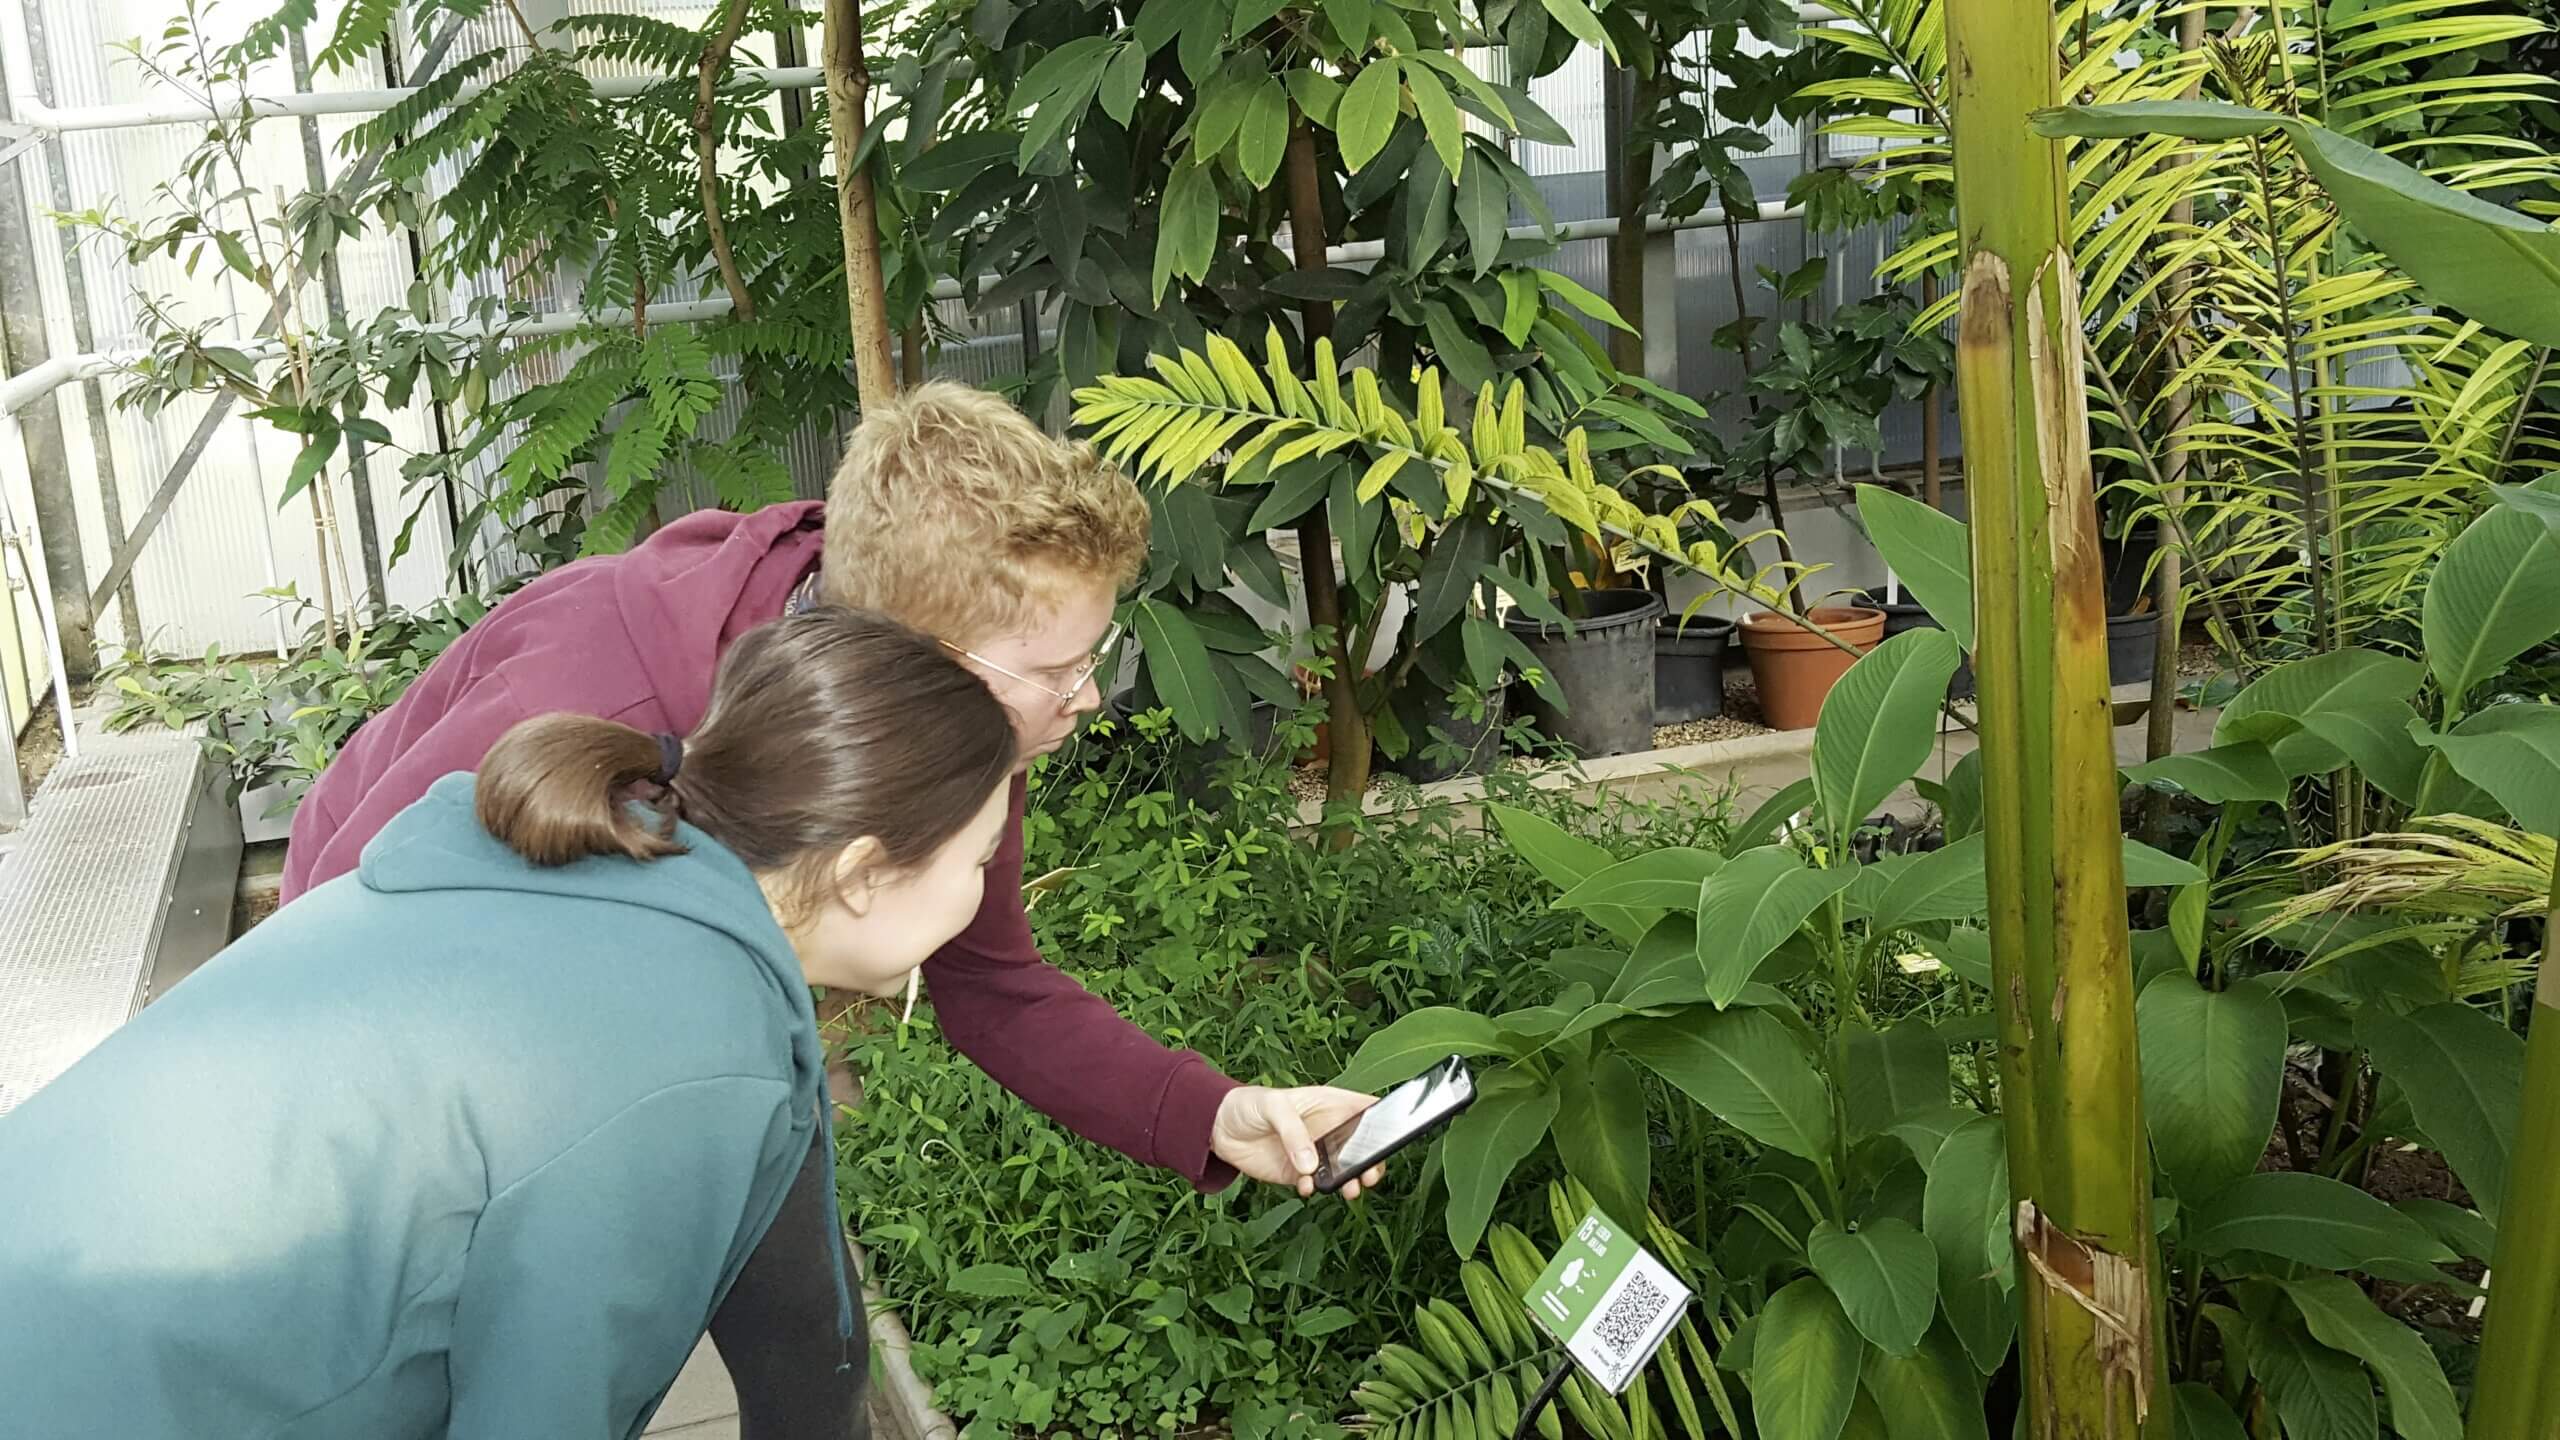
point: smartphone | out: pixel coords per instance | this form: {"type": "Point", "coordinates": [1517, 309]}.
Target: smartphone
{"type": "Point", "coordinates": [1402, 1115]}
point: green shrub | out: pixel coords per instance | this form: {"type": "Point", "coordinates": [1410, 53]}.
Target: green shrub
{"type": "Point", "coordinates": [1053, 1285]}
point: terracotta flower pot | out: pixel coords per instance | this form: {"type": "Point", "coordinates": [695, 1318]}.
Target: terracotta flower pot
{"type": "Point", "coordinates": [1794, 669]}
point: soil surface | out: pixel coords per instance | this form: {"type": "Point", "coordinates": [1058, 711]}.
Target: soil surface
{"type": "Point", "coordinates": [40, 749]}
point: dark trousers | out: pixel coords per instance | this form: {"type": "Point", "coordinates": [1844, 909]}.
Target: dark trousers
{"type": "Point", "coordinates": [776, 1330]}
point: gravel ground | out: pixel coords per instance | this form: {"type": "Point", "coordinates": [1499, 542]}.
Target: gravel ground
{"type": "Point", "coordinates": [1741, 717]}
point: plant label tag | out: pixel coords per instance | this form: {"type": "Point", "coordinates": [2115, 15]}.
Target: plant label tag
{"type": "Point", "coordinates": [1609, 1301]}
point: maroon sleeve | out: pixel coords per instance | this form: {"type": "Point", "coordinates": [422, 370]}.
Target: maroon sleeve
{"type": "Point", "coordinates": [1062, 1048]}
{"type": "Point", "coordinates": [352, 801]}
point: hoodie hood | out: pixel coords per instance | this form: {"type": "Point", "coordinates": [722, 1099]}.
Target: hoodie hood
{"type": "Point", "coordinates": [440, 844]}
{"type": "Point", "coordinates": [702, 582]}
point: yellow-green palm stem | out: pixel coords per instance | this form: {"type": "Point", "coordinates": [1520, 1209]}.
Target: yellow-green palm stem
{"type": "Point", "coordinates": [2079, 1167]}
{"type": "Point", "coordinates": [2518, 1392]}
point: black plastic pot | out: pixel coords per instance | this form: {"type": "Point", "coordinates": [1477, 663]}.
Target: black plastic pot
{"type": "Point", "coordinates": [1688, 669]}
{"type": "Point", "coordinates": [1605, 669]}
{"type": "Point", "coordinates": [1482, 740]}
{"type": "Point", "coordinates": [2133, 643]}
{"type": "Point", "coordinates": [1903, 615]}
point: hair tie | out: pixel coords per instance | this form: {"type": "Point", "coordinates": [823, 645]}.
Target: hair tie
{"type": "Point", "coordinates": [670, 758]}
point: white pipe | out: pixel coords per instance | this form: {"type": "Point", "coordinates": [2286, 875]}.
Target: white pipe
{"type": "Point", "coordinates": [33, 114]}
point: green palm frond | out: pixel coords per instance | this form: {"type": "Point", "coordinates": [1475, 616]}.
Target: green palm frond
{"type": "Point", "coordinates": [1217, 412]}
{"type": "Point", "coordinates": [1473, 1367]}
{"type": "Point", "coordinates": [2284, 316]}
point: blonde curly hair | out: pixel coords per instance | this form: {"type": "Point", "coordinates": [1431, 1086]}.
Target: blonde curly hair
{"type": "Point", "coordinates": [954, 514]}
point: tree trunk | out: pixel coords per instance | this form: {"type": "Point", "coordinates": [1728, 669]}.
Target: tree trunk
{"type": "Point", "coordinates": [2518, 1390]}
{"type": "Point", "coordinates": [2070, 1094]}
{"type": "Point", "coordinates": [706, 156]}
{"type": "Point", "coordinates": [875, 373]}
{"type": "Point", "coordinates": [1629, 175]}
{"type": "Point", "coordinates": [1347, 765]}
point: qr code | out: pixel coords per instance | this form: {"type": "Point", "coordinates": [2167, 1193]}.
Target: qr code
{"type": "Point", "coordinates": [1628, 1322]}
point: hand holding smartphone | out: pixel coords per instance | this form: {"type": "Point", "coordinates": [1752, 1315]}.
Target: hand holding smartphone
{"type": "Point", "coordinates": [1404, 1115]}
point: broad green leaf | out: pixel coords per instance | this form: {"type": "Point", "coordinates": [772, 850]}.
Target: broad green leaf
{"type": "Point", "coordinates": [2145, 866]}
{"type": "Point", "coordinates": [1601, 1134]}
{"type": "Point", "coordinates": [2338, 680]}
{"type": "Point", "coordinates": [1187, 233]}
{"type": "Point", "coordinates": [1964, 796]}
{"type": "Point", "coordinates": [1178, 662]}
{"type": "Point", "coordinates": [2219, 775]}
{"type": "Point", "coordinates": [1965, 1212]}
{"type": "Point", "coordinates": [1265, 135]}
{"type": "Point", "coordinates": [1929, 551]}
{"type": "Point", "coordinates": [322, 444]}
{"type": "Point", "coordinates": [2202, 1415]}
{"type": "Point", "coordinates": [1665, 879]}
{"type": "Point", "coordinates": [1560, 857]}
{"type": "Point", "coordinates": [1416, 1042]}
{"type": "Point", "coordinates": [955, 160]}
{"type": "Point", "coordinates": [1573, 292]}
{"type": "Point", "coordinates": [1890, 1073]}
{"type": "Point", "coordinates": [2341, 1316]}
{"type": "Point", "coordinates": [1662, 969]}
{"type": "Point", "coordinates": [1295, 489]}
{"type": "Point", "coordinates": [2375, 740]}
{"type": "Point", "coordinates": [2464, 1231]}
{"type": "Point", "coordinates": [1967, 952]}
{"type": "Point", "coordinates": [1123, 80]}
{"type": "Point", "coordinates": [2462, 1073]}
{"type": "Point", "coordinates": [991, 1282]}
{"type": "Point", "coordinates": [2488, 262]}
{"type": "Point", "coordinates": [2319, 1393]}
{"type": "Point", "coordinates": [1875, 728]}
{"type": "Point", "coordinates": [1746, 1067]}
{"type": "Point", "coordinates": [1484, 209]}
{"type": "Point", "coordinates": [2513, 753]}
{"type": "Point", "coordinates": [1805, 1359]}
{"type": "Point", "coordinates": [1450, 574]}
{"type": "Point", "coordinates": [1789, 802]}
{"type": "Point", "coordinates": [2312, 1220]}
{"type": "Point", "coordinates": [1885, 1276]}
{"type": "Point", "coordinates": [1751, 906]}
{"type": "Point", "coordinates": [2212, 1072]}
{"type": "Point", "coordinates": [1508, 1120]}
{"type": "Point", "coordinates": [1368, 113]}
{"type": "Point", "coordinates": [1948, 883]}
{"type": "Point", "coordinates": [1439, 115]}
{"type": "Point", "coordinates": [2495, 595]}
{"type": "Point", "coordinates": [1926, 1132]}
{"type": "Point", "coordinates": [1932, 1393]}
{"type": "Point", "coordinates": [1491, 649]}
{"type": "Point", "coordinates": [1521, 302]}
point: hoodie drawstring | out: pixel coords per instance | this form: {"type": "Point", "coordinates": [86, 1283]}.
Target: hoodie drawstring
{"type": "Point", "coordinates": [844, 1286]}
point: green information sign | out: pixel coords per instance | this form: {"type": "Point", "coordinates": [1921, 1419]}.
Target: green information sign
{"type": "Point", "coordinates": [1608, 1300]}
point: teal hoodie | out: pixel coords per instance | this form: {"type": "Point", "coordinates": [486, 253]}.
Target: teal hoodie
{"type": "Point", "coordinates": [454, 1145]}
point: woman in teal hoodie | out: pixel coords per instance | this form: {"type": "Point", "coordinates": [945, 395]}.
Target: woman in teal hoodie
{"type": "Point", "coordinates": [472, 1141]}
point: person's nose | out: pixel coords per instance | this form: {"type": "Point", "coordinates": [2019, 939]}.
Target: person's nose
{"type": "Point", "coordinates": [1088, 697]}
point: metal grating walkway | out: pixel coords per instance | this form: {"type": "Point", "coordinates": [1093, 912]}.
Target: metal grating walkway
{"type": "Point", "coordinates": [119, 883]}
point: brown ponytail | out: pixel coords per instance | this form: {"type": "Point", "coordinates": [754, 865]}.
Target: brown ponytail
{"type": "Point", "coordinates": [824, 727]}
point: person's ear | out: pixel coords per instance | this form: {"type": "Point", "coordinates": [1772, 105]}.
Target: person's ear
{"type": "Point", "coordinates": [860, 869]}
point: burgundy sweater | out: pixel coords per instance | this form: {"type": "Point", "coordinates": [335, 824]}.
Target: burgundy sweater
{"type": "Point", "coordinates": [637, 638]}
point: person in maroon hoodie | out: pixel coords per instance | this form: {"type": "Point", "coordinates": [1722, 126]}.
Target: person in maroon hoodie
{"type": "Point", "coordinates": [954, 514]}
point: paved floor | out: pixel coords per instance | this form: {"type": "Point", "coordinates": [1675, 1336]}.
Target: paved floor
{"type": "Point", "coordinates": [702, 1406]}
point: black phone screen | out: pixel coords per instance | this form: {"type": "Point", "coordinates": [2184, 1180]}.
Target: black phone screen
{"type": "Point", "coordinates": [1401, 1116]}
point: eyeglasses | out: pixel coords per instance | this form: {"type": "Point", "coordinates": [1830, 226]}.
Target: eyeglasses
{"type": "Point", "coordinates": [1083, 675]}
